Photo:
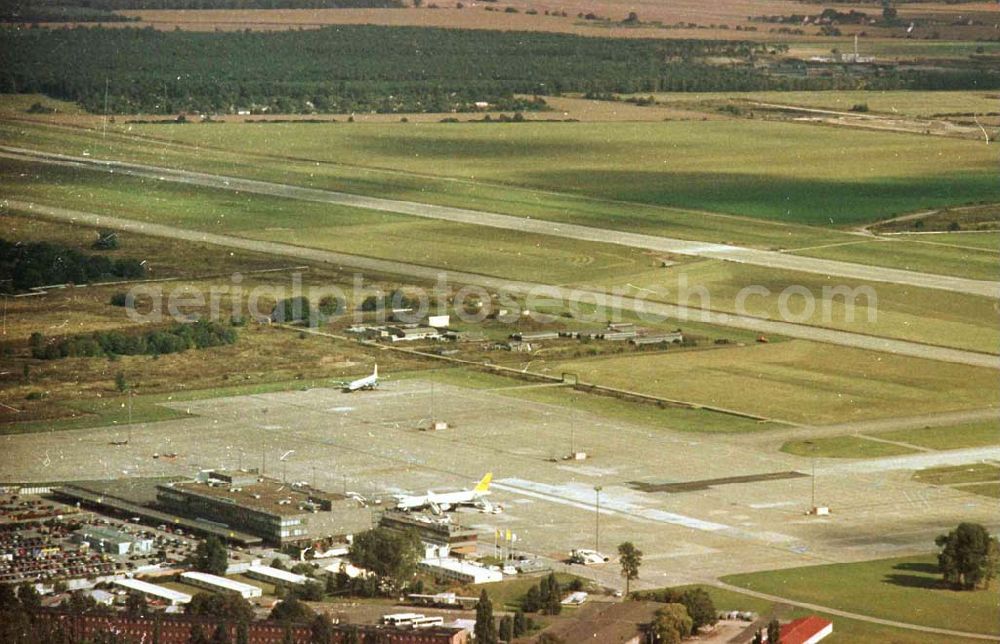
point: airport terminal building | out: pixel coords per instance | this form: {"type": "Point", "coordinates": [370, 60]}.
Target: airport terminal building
{"type": "Point", "coordinates": [279, 513]}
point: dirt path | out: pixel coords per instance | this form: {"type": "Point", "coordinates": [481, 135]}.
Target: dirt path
{"type": "Point", "coordinates": [756, 257]}
{"type": "Point", "coordinates": [757, 325]}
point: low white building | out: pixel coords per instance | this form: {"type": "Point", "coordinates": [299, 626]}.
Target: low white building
{"type": "Point", "coordinates": [275, 576]}
{"type": "Point", "coordinates": [172, 597]}
{"type": "Point", "coordinates": [216, 583]}
{"type": "Point", "coordinates": [460, 571]}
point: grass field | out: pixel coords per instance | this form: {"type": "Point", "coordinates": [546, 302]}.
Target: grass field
{"type": "Point", "coordinates": [907, 590]}
{"type": "Point", "coordinates": [844, 447]}
{"type": "Point", "coordinates": [666, 417]}
{"type": "Point", "coordinates": [811, 175]}
{"type": "Point", "coordinates": [561, 206]}
{"type": "Point", "coordinates": [846, 631]}
{"type": "Point", "coordinates": [923, 315]}
{"type": "Point", "coordinates": [923, 253]}
{"type": "Point", "coordinates": [798, 381]}
{"type": "Point", "coordinates": [959, 474]}
{"type": "Point", "coordinates": [909, 103]}
{"type": "Point", "coordinates": [955, 437]}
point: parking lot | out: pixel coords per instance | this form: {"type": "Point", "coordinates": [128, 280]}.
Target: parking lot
{"type": "Point", "coordinates": [372, 443]}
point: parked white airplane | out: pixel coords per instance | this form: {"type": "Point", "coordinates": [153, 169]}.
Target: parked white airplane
{"type": "Point", "coordinates": [439, 503]}
{"type": "Point", "coordinates": [368, 382]}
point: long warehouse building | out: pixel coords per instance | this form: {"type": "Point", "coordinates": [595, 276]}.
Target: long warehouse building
{"type": "Point", "coordinates": [217, 583]}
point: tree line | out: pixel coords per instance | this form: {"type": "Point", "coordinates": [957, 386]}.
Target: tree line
{"type": "Point", "coordinates": [24, 266]}
{"type": "Point", "coordinates": [174, 339]}
{"type": "Point", "coordinates": [351, 68]}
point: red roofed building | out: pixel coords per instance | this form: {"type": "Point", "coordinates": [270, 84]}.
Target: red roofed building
{"type": "Point", "coordinates": [807, 630]}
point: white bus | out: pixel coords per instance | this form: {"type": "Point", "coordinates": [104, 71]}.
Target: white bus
{"type": "Point", "coordinates": [401, 619]}
{"type": "Point", "coordinates": [427, 622]}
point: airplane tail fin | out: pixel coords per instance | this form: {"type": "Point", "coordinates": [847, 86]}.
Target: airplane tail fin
{"type": "Point", "coordinates": [484, 484]}
{"type": "Point", "coordinates": [376, 370]}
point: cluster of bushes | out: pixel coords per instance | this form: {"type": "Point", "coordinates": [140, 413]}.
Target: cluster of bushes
{"type": "Point", "coordinates": [26, 266]}
{"type": "Point", "coordinates": [545, 598]}
{"type": "Point", "coordinates": [178, 338]}
{"type": "Point", "coordinates": [387, 302]}
{"type": "Point", "coordinates": [696, 601]}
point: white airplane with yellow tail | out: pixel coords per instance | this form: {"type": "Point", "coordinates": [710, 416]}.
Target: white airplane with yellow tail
{"type": "Point", "coordinates": [442, 502]}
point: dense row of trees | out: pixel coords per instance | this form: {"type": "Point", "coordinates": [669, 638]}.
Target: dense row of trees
{"type": "Point", "coordinates": [353, 68]}
{"type": "Point", "coordinates": [25, 266]}
{"type": "Point", "coordinates": [175, 339]}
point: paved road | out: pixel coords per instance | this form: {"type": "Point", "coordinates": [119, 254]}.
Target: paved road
{"type": "Point", "coordinates": [770, 259]}
{"type": "Point", "coordinates": [586, 297]}
{"type": "Point", "coordinates": [863, 618]}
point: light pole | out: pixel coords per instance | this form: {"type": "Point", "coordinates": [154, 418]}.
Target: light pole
{"type": "Point", "coordinates": [597, 520]}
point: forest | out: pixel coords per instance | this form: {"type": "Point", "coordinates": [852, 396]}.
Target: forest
{"type": "Point", "coordinates": [365, 68]}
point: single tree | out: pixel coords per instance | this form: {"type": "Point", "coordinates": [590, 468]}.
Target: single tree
{"type": "Point", "coordinates": [532, 600]}
{"type": "Point", "coordinates": [135, 604]}
{"type": "Point", "coordinates": [773, 632]}
{"type": "Point", "coordinates": [221, 634]}
{"type": "Point", "coordinates": [322, 629]}
{"type": "Point", "coordinates": [700, 607]}
{"type": "Point", "coordinates": [120, 383]}
{"type": "Point", "coordinates": [968, 557]}
{"type": "Point", "coordinates": [485, 631]}
{"type": "Point", "coordinates": [758, 637]}
{"type": "Point", "coordinates": [630, 559]}
{"type": "Point", "coordinates": [242, 633]}
{"type": "Point", "coordinates": [553, 595]}
{"type": "Point", "coordinates": [211, 556]}
{"type": "Point", "coordinates": [197, 635]}
{"type": "Point", "coordinates": [672, 624]}
{"type": "Point", "coordinates": [520, 623]}
{"type": "Point", "coordinates": [28, 595]}
{"type": "Point", "coordinates": [506, 628]}
{"type": "Point", "coordinates": [231, 606]}
{"type": "Point", "coordinates": [391, 555]}
{"type": "Point", "coordinates": [292, 610]}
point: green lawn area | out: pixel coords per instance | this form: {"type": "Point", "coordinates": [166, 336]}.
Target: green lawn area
{"type": "Point", "coordinates": [979, 240]}
{"type": "Point", "coordinates": [798, 381]}
{"type": "Point", "coordinates": [959, 474]}
{"type": "Point", "coordinates": [843, 447]}
{"type": "Point", "coordinates": [905, 589]}
{"type": "Point", "coordinates": [977, 434]}
{"type": "Point", "coordinates": [845, 631]}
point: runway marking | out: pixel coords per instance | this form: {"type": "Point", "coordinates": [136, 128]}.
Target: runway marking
{"type": "Point", "coordinates": [581, 498]}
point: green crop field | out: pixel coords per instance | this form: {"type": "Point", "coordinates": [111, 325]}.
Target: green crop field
{"type": "Point", "coordinates": [798, 381]}
{"type": "Point", "coordinates": [906, 590]}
